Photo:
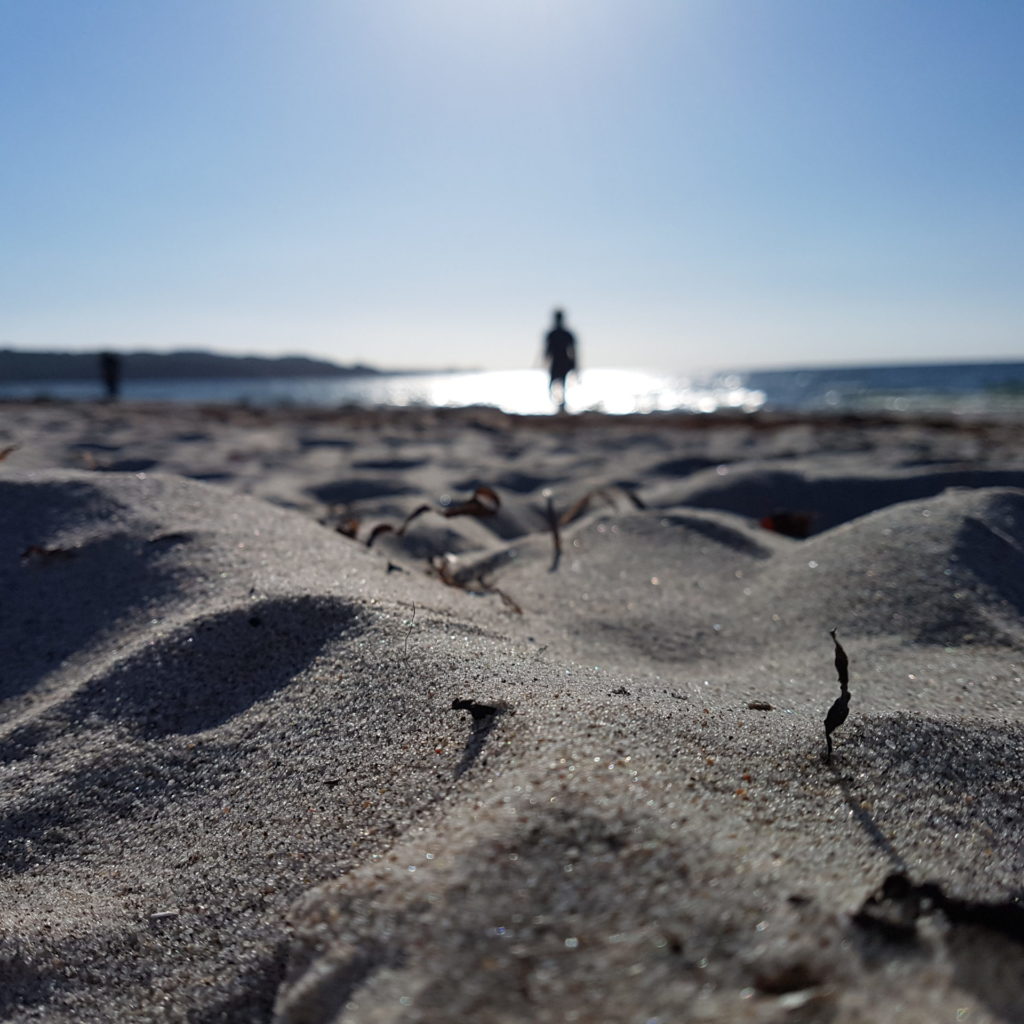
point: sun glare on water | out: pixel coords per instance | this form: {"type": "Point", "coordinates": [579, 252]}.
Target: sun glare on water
{"type": "Point", "coordinates": [525, 392]}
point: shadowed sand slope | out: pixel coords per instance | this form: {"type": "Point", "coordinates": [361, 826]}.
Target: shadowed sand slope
{"type": "Point", "coordinates": [254, 769]}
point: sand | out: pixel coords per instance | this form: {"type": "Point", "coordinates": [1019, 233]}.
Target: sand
{"type": "Point", "coordinates": [235, 787]}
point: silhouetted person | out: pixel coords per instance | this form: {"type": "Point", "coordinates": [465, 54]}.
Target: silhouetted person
{"type": "Point", "coordinates": [110, 371]}
{"type": "Point", "coordinates": [560, 355]}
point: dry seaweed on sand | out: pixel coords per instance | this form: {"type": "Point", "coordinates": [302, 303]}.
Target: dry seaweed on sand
{"type": "Point", "coordinates": [482, 503]}
{"type": "Point", "coordinates": [610, 494]}
{"type": "Point", "coordinates": [841, 706]}
{"type": "Point", "coordinates": [377, 531]}
{"type": "Point", "coordinates": [442, 568]}
{"type": "Point", "coordinates": [414, 514]}
{"type": "Point", "coordinates": [555, 521]}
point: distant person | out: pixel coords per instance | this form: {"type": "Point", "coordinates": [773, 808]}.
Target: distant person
{"type": "Point", "coordinates": [110, 371]}
{"type": "Point", "coordinates": [560, 355]}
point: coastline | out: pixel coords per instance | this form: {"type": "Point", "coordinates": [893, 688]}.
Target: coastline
{"type": "Point", "coordinates": [964, 391]}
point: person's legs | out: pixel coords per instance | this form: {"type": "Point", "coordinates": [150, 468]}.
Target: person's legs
{"type": "Point", "coordinates": [559, 395]}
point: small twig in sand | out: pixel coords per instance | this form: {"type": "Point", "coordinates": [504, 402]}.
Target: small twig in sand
{"type": "Point", "coordinates": [841, 707]}
{"type": "Point", "coordinates": [556, 535]}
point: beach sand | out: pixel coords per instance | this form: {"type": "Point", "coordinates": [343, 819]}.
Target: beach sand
{"type": "Point", "coordinates": [273, 750]}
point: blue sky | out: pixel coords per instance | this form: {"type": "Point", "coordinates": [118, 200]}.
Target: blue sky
{"type": "Point", "coordinates": [699, 183]}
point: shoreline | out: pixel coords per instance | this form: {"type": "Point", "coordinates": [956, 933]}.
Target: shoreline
{"type": "Point", "coordinates": [413, 413]}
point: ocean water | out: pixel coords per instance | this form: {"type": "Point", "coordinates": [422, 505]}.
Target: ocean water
{"type": "Point", "coordinates": [967, 390]}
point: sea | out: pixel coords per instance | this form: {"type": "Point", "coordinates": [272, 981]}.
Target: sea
{"type": "Point", "coordinates": [966, 390]}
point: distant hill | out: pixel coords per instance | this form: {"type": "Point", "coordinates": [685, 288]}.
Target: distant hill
{"type": "Point", "coordinates": [33, 366]}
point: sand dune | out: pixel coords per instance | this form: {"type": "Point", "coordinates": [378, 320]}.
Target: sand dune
{"type": "Point", "coordinates": [236, 787]}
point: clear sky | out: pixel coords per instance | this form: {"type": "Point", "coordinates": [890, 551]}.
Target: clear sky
{"type": "Point", "coordinates": [700, 183]}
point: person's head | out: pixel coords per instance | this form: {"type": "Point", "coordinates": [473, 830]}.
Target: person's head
{"type": "Point", "coordinates": [558, 318]}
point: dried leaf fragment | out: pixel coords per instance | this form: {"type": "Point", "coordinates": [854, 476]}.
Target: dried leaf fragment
{"type": "Point", "coordinates": [348, 527]}
{"type": "Point", "coordinates": [484, 502]}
